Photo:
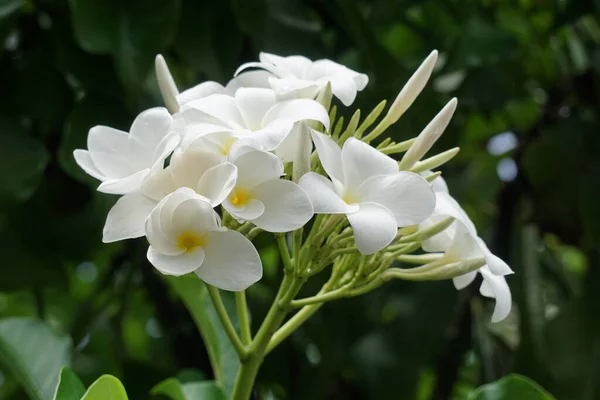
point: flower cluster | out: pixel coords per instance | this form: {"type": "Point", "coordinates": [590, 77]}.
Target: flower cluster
{"type": "Point", "coordinates": [201, 177]}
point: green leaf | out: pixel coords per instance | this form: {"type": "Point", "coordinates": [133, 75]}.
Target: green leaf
{"type": "Point", "coordinates": [107, 387]}
{"type": "Point", "coordinates": [223, 357]}
{"type": "Point", "coordinates": [513, 387]}
{"type": "Point", "coordinates": [175, 390]}
{"type": "Point", "coordinates": [69, 386]}
{"type": "Point", "coordinates": [33, 355]}
{"type": "Point", "coordinates": [132, 31]}
{"type": "Point", "coordinates": [22, 163]}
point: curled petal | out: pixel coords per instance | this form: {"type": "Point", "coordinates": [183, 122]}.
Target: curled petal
{"type": "Point", "coordinates": [496, 265]}
{"type": "Point", "coordinates": [200, 91]}
{"type": "Point", "coordinates": [83, 159]}
{"type": "Point", "coordinates": [108, 150]}
{"type": "Point", "coordinates": [374, 227]}
{"type": "Point", "coordinates": [253, 209]}
{"type": "Point", "coordinates": [126, 219]}
{"type": "Point", "coordinates": [330, 155]}
{"type": "Point", "coordinates": [217, 182]}
{"type": "Point", "coordinates": [461, 282]}
{"type": "Point", "coordinates": [176, 265]}
{"type": "Point", "coordinates": [297, 110]}
{"type": "Point", "coordinates": [497, 285]}
{"type": "Point", "coordinates": [231, 262]}
{"type": "Point", "coordinates": [322, 195]}
{"type": "Point", "coordinates": [146, 134]}
{"type": "Point", "coordinates": [287, 206]}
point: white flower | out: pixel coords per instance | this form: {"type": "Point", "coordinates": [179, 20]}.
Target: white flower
{"type": "Point", "coordinates": [122, 160]}
{"type": "Point", "coordinates": [299, 76]}
{"type": "Point", "coordinates": [203, 172]}
{"type": "Point", "coordinates": [260, 196]}
{"type": "Point", "coordinates": [465, 246]}
{"type": "Point", "coordinates": [185, 235]}
{"type": "Point", "coordinates": [460, 242]}
{"type": "Point", "coordinates": [253, 114]}
{"type": "Point", "coordinates": [368, 187]}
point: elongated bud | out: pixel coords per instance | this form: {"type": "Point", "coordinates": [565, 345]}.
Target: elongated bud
{"type": "Point", "coordinates": [435, 161]}
{"type": "Point", "coordinates": [370, 119]}
{"type": "Point", "coordinates": [434, 271]}
{"type": "Point", "coordinates": [325, 95]}
{"type": "Point", "coordinates": [412, 89]}
{"type": "Point", "coordinates": [425, 234]}
{"type": "Point", "coordinates": [428, 136]}
{"type": "Point", "coordinates": [303, 150]}
{"type": "Point", "coordinates": [167, 86]}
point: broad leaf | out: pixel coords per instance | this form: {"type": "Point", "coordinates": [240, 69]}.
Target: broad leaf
{"type": "Point", "coordinates": [107, 387]}
{"type": "Point", "coordinates": [513, 387]}
{"type": "Point", "coordinates": [22, 163]}
{"type": "Point", "coordinates": [33, 355]}
{"type": "Point", "coordinates": [223, 357]}
{"type": "Point", "coordinates": [69, 386]}
{"type": "Point", "coordinates": [175, 390]}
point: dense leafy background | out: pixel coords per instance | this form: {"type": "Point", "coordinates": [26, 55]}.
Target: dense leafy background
{"type": "Point", "coordinates": [530, 67]}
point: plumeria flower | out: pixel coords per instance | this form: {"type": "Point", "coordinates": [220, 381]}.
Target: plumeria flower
{"type": "Point", "coordinates": [302, 77]}
{"type": "Point", "coordinates": [122, 160]}
{"type": "Point", "coordinates": [368, 187]}
{"type": "Point", "coordinates": [465, 246]}
{"type": "Point", "coordinates": [260, 196]}
{"type": "Point", "coordinates": [446, 206]}
{"type": "Point", "coordinates": [185, 235]}
{"type": "Point", "coordinates": [253, 115]}
{"type": "Point", "coordinates": [460, 242]}
{"type": "Point", "coordinates": [203, 172]}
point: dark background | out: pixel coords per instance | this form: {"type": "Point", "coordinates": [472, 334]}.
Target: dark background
{"type": "Point", "coordinates": [528, 69]}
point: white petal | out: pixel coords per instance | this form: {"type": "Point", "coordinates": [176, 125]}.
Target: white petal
{"type": "Point", "coordinates": [108, 149]}
{"type": "Point", "coordinates": [253, 104]}
{"type": "Point", "coordinates": [287, 148]}
{"type": "Point", "coordinates": [464, 245]}
{"type": "Point", "coordinates": [130, 184]}
{"type": "Point", "coordinates": [343, 88]}
{"type": "Point", "coordinates": [200, 91]}
{"type": "Point", "coordinates": [297, 110]}
{"type": "Point", "coordinates": [273, 134]}
{"type": "Point", "coordinates": [322, 195]}
{"type": "Point", "coordinates": [461, 282]}
{"type": "Point", "coordinates": [407, 195]}
{"type": "Point", "coordinates": [255, 79]}
{"type": "Point", "coordinates": [126, 219]}
{"type": "Point", "coordinates": [448, 206]}
{"type": "Point", "coordinates": [374, 227]}
{"type": "Point", "coordinates": [330, 155]}
{"type": "Point", "coordinates": [439, 184]}
{"type": "Point", "coordinates": [146, 134]}
{"type": "Point", "coordinates": [165, 244]}
{"type": "Point", "coordinates": [178, 265]}
{"type": "Point", "coordinates": [287, 206]}
{"type": "Point", "coordinates": [496, 265]}
{"type": "Point", "coordinates": [187, 167]}
{"type": "Point", "coordinates": [265, 66]}
{"type": "Point", "coordinates": [219, 106]}
{"type": "Point", "coordinates": [83, 159]}
{"type": "Point", "coordinates": [217, 182]}
{"type": "Point", "coordinates": [289, 88]}
{"type": "Point", "coordinates": [231, 263]}
{"type": "Point", "coordinates": [440, 242]}
{"type": "Point", "coordinates": [165, 149]}
{"type": "Point", "coordinates": [255, 167]}
{"type": "Point", "coordinates": [361, 161]}
{"type": "Point", "coordinates": [361, 81]}
{"type": "Point", "coordinates": [166, 209]}
{"type": "Point", "coordinates": [194, 215]}
{"type": "Point", "coordinates": [248, 212]}
{"type": "Point", "coordinates": [501, 293]}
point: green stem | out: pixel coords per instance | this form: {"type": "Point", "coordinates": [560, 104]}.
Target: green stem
{"type": "Point", "coordinates": [256, 353]}
{"type": "Point", "coordinates": [227, 325]}
{"type": "Point", "coordinates": [242, 311]}
{"type": "Point", "coordinates": [284, 251]}
{"type": "Point", "coordinates": [291, 325]}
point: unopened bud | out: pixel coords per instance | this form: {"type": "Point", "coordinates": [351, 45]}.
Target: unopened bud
{"type": "Point", "coordinates": [435, 161]}
{"type": "Point", "coordinates": [428, 136]}
{"type": "Point", "coordinates": [325, 95]}
{"type": "Point", "coordinates": [411, 89]}
{"type": "Point", "coordinates": [167, 86]}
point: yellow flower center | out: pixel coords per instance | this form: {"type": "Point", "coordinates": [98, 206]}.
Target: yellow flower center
{"type": "Point", "coordinates": [349, 198]}
{"type": "Point", "coordinates": [239, 197]}
{"type": "Point", "coordinates": [188, 241]}
{"type": "Point", "coordinates": [227, 146]}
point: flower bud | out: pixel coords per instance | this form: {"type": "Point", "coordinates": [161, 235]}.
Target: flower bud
{"type": "Point", "coordinates": [435, 161]}
{"type": "Point", "coordinates": [411, 89]}
{"type": "Point", "coordinates": [428, 136]}
{"type": "Point", "coordinates": [167, 86]}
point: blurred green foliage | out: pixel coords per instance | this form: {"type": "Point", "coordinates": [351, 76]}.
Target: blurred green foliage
{"type": "Point", "coordinates": [527, 67]}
